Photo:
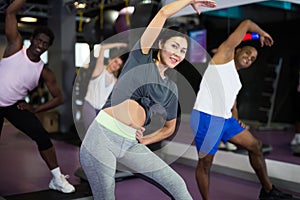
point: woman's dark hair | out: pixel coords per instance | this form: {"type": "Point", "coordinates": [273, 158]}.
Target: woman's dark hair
{"type": "Point", "coordinates": [45, 30]}
{"type": "Point", "coordinates": [167, 33]}
{"type": "Point", "coordinates": [172, 31]}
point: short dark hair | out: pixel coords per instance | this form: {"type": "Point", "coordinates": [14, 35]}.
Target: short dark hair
{"type": "Point", "coordinates": [253, 43]}
{"type": "Point", "coordinates": [45, 30]}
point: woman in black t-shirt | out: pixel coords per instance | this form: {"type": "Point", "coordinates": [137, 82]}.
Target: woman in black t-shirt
{"type": "Point", "coordinates": [142, 89]}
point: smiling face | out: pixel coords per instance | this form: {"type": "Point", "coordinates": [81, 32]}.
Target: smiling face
{"type": "Point", "coordinates": [39, 44]}
{"type": "Point", "coordinates": [173, 51]}
{"type": "Point", "coordinates": [114, 64]}
{"type": "Point", "coordinates": [245, 57]}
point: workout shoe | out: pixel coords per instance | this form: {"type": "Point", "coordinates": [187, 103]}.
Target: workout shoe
{"type": "Point", "coordinates": [222, 146]}
{"type": "Point", "coordinates": [274, 194]}
{"type": "Point", "coordinates": [230, 146]}
{"type": "Point", "coordinates": [61, 184]}
{"type": "Point", "coordinates": [296, 140]}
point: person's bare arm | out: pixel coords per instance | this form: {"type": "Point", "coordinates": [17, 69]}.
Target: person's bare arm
{"type": "Point", "coordinates": [54, 89]}
{"type": "Point", "coordinates": [234, 111]}
{"type": "Point", "coordinates": [235, 115]}
{"type": "Point", "coordinates": [13, 36]}
{"type": "Point", "coordinates": [159, 135]}
{"type": "Point", "coordinates": [225, 51]}
{"type": "Point", "coordinates": [99, 66]}
{"type": "Point", "coordinates": [154, 28]}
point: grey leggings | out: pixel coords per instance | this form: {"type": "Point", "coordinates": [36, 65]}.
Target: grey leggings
{"type": "Point", "coordinates": [101, 150]}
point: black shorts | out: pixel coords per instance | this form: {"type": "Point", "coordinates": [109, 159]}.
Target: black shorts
{"type": "Point", "coordinates": [28, 123]}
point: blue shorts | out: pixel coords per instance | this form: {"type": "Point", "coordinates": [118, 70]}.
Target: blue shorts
{"type": "Point", "coordinates": [209, 130]}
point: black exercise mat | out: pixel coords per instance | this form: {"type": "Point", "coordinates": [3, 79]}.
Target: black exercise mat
{"type": "Point", "coordinates": [82, 190]}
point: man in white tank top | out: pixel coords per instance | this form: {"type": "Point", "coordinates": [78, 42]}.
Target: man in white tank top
{"type": "Point", "coordinates": [214, 117]}
{"type": "Point", "coordinates": [20, 71]}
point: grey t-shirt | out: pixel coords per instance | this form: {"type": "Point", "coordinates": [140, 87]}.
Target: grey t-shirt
{"type": "Point", "coordinates": [140, 81]}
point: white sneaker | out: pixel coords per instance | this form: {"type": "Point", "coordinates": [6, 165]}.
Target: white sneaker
{"type": "Point", "coordinates": [296, 139]}
{"type": "Point", "coordinates": [222, 145]}
{"type": "Point", "coordinates": [230, 146]}
{"type": "Point", "coordinates": [61, 184]}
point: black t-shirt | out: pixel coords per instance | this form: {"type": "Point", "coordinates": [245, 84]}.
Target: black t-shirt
{"type": "Point", "coordinates": [140, 81]}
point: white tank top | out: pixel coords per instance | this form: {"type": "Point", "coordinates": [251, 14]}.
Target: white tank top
{"type": "Point", "coordinates": [219, 88]}
{"type": "Point", "coordinates": [99, 89]}
{"type": "Point", "coordinates": [18, 76]}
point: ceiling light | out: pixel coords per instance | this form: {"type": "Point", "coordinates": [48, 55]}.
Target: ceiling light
{"type": "Point", "coordinates": [28, 19]}
{"type": "Point", "coordinates": [146, 2]}
{"type": "Point", "coordinates": [79, 5]}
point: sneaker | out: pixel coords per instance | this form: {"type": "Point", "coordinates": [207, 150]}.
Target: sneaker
{"type": "Point", "coordinates": [61, 184]}
{"type": "Point", "coordinates": [274, 194]}
{"type": "Point", "coordinates": [222, 146]}
{"type": "Point", "coordinates": [296, 140]}
{"type": "Point", "coordinates": [230, 146]}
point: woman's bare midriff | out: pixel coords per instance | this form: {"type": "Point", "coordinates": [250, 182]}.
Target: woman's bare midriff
{"type": "Point", "coordinates": [128, 112]}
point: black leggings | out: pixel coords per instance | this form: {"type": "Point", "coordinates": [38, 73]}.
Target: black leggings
{"type": "Point", "coordinates": [28, 123]}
